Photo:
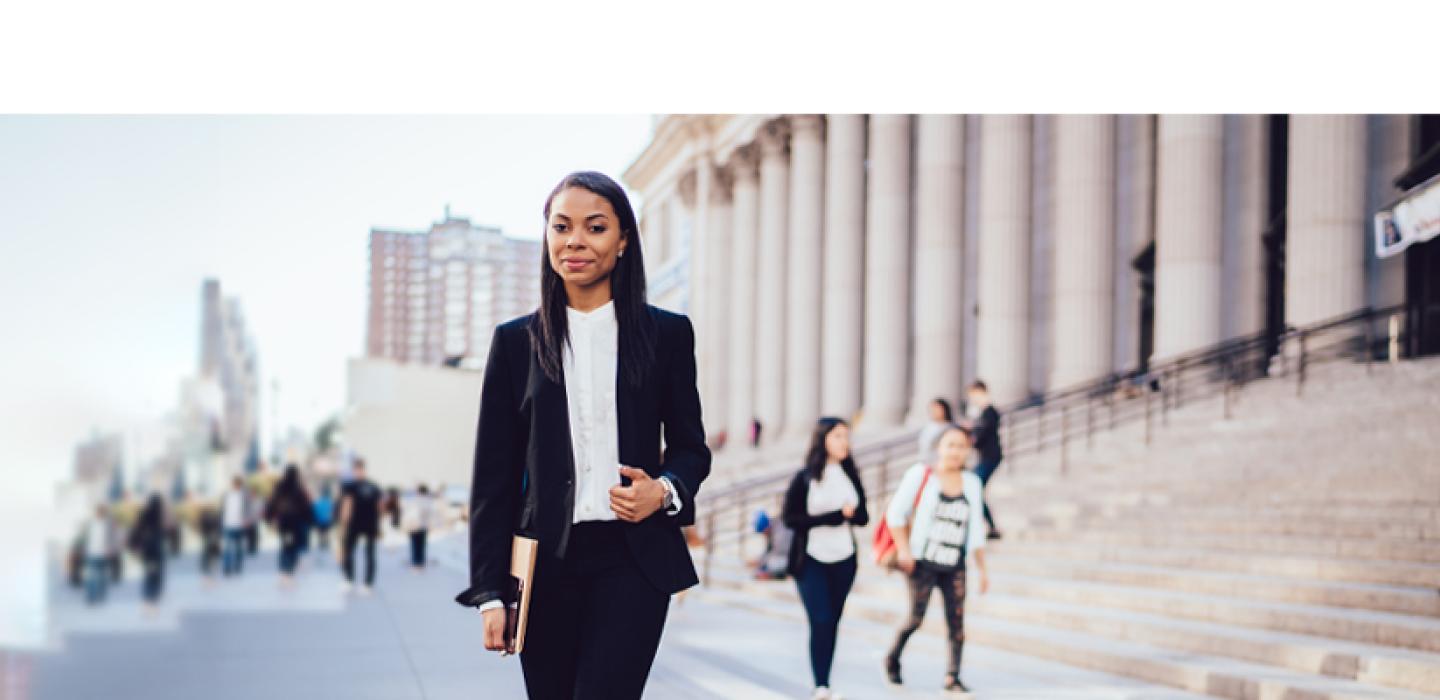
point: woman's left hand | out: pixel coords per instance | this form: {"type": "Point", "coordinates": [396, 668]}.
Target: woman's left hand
{"type": "Point", "coordinates": [640, 499]}
{"type": "Point", "coordinates": [984, 582]}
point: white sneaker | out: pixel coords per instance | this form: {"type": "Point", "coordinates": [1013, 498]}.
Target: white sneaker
{"type": "Point", "coordinates": [365, 591]}
{"type": "Point", "coordinates": [346, 586]}
{"type": "Point", "coordinates": [822, 693]}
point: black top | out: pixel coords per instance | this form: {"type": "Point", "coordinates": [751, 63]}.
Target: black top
{"type": "Point", "coordinates": [524, 471]}
{"type": "Point", "coordinates": [944, 548]}
{"type": "Point", "coordinates": [987, 435]}
{"type": "Point", "coordinates": [364, 505]}
{"type": "Point", "coordinates": [797, 517]}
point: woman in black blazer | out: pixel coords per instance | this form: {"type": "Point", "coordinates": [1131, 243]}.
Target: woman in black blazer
{"type": "Point", "coordinates": [574, 403]}
{"type": "Point", "coordinates": [824, 501]}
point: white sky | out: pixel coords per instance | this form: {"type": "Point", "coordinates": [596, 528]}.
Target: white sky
{"type": "Point", "coordinates": [108, 225]}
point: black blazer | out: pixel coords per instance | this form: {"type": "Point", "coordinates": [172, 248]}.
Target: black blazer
{"type": "Point", "coordinates": [796, 514]}
{"type": "Point", "coordinates": [524, 472]}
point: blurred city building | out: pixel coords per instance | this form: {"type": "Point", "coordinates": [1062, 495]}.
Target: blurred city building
{"type": "Point", "coordinates": [864, 264]}
{"type": "Point", "coordinates": [412, 422]}
{"type": "Point", "coordinates": [228, 360]}
{"type": "Point", "coordinates": [437, 295]}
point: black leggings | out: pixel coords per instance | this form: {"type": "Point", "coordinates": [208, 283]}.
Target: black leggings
{"type": "Point", "coordinates": [952, 592]}
{"type": "Point", "coordinates": [823, 590]}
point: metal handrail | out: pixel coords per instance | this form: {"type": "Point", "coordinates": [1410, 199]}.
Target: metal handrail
{"type": "Point", "coordinates": [1223, 366]}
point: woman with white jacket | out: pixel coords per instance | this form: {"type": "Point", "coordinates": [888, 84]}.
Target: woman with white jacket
{"type": "Point", "coordinates": [935, 516]}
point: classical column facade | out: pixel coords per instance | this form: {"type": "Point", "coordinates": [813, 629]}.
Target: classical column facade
{"type": "Point", "coordinates": [1084, 249]}
{"type": "Point", "coordinates": [715, 325]}
{"type": "Point", "coordinates": [1325, 218]}
{"type": "Point", "coordinates": [744, 230]}
{"type": "Point", "coordinates": [939, 260]}
{"type": "Point", "coordinates": [807, 211]}
{"type": "Point", "coordinates": [1188, 233]}
{"type": "Point", "coordinates": [1004, 267]}
{"type": "Point", "coordinates": [771, 262]}
{"type": "Point", "coordinates": [1247, 166]}
{"type": "Point", "coordinates": [843, 271]}
{"type": "Point", "coordinates": [887, 258]}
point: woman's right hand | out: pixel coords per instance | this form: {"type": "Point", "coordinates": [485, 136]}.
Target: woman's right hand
{"type": "Point", "coordinates": [848, 512]}
{"type": "Point", "coordinates": [905, 562]}
{"type": "Point", "coordinates": [495, 629]}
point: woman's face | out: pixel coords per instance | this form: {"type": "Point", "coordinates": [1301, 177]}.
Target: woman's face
{"type": "Point", "coordinates": [937, 412]}
{"type": "Point", "coordinates": [837, 443]}
{"type": "Point", "coordinates": [954, 447]}
{"type": "Point", "coordinates": [583, 237]}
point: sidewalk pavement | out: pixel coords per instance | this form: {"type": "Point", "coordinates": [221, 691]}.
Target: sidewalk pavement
{"type": "Point", "coordinates": [247, 638]}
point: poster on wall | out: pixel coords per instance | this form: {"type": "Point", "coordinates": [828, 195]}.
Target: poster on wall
{"type": "Point", "coordinates": [1414, 219]}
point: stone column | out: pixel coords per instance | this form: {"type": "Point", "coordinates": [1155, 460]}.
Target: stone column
{"type": "Point", "coordinates": [807, 210]}
{"type": "Point", "coordinates": [1187, 233]}
{"type": "Point", "coordinates": [771, 262]}
{"type": "Point", "coordinates": [887, 272]}
{"type": "Point", "coordinates": [744, 227]}
{"type": "Point", "coordinates": [1325, 232]}
{"type": "Point", "coordinates": [939, 261]}
{"type": "Point", "coordinates": [1247, 183]}
{"type": "Point", "coordinates": [1084, 249]}
{"type": "Point", "coordinates": [844, 265]}
{"type": "Point", "coordinates": [697, 185]}
{"type": "Point", "coordinates": [718, 254]}
{"type": "Point", "coordinates": [1003, 322]}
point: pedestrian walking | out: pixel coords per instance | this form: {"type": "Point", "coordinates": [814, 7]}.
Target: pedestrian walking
{"type": "Point", "coordinates": [420, 517]}
{"type": "Point", "coordinates": [575, 401]}
{"type": "Point", "coordinates": [933, 519]}
{"type": "Point", "coordinates": [985, 428]}
{"type": "Point", "coordinates": [360, 520]}
{"type": "Point", "coordinates": [101, 542]}
{"type": "Point", "coordinates": [823, 504]}
{"type": "Point", "coordinates": [940, 417]}
{"type": "Point", "coordinates": [233, 508]}
{"type": "Point", "coordinates": [147, 541]}
{"type": "Point", "coordinates": [324, 518]}
{"type": "Point", "coordinates": [290, 512]}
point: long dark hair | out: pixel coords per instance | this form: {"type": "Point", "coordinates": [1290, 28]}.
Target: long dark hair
{"type": "Point", "coordinates": [816, 458]}
{"type": "Point", "coordinates": [945, 406]}
{"type": "Point", "coordinates": [550, 332]}
{"type": "Point", "coordinates": [152, 517]}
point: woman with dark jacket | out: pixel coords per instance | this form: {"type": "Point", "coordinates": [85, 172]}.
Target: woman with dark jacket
{"type": "Point", "coordinates": [575, 400]}
{"type": "Point", "coordinates": [290, 513]}
{"type": "Point", "coordinates": [824, 501]}
{"type": "Point", "coordinates": [147, 540]}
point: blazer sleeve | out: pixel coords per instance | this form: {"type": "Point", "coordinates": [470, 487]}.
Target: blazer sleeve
{"type": "Point", "coordinates": [495, 480]}
{"type": "Point", "coordinates": [796, 514]}
{"type": "Point", "coordinates": [687, 459]}
{"type": "Point", "coordinates": [862, 511]}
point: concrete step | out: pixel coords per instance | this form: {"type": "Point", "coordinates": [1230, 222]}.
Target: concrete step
{"type": "Point", "coordinates": [1382, 665]}
{"type": "Point", "coordinates": [1364, 626]}
{"type": "Point", "coordinates": [1311, 567]}
{"type": "Point", "coordinates": [1336, 547]}
{"type": "Point", "coordinates": [1409, 600]}
{"type": "Point", "coordinates": [1214, 675]}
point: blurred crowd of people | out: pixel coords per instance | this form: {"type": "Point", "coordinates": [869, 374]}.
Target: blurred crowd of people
{"type": "Point", "coordinates": [298, 514]}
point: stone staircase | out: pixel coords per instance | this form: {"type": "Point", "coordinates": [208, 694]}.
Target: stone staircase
{"type": "Point", "coordinates": [1290, 552]}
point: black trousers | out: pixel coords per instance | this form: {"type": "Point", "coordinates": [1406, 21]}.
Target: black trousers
{"type": "Point", "coordinates": [352, 536]}
{"type": "Point", "coordinates": [417, 548]}
{"type": "Point", "coordinates": [595, 620]}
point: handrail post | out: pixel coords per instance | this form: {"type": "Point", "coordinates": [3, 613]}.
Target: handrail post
{"type": "Point", "coordinates": [1166, 378]}
{"type": "Point", "coordinates": [1040, 429]}
{"type": "Point", "coordinates": [1110, 401]}
{"type": "Point", "coordinates": [1180, 384]}
{"type": "Point", "coordinates": [1300, 369]}
{"type": "Point", "coordinates": [1090, 422]}
{"type": "Point", "coordinates": [1065, 438]}
{"type": "Point", "coordinates": [1148, 392]}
